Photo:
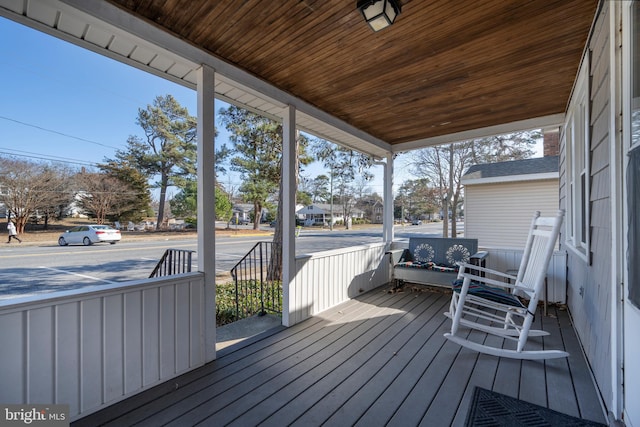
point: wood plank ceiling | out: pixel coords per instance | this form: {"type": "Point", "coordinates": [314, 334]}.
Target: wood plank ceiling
{"type": "Point", "coordinates": [443, 67]}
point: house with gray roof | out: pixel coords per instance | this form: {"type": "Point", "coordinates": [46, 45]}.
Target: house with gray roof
{"type": "Point", "coordinates": [321, 213]}
{"type": "Point", "coordinates": [500, 199]}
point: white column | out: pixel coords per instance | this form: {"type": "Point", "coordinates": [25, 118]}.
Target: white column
{"type": "Point", "coordinates": [288, 210]}
{"type": "Point", "coordinates": [387, 228]}
{"type": "Point", "coordinates": [206, 203]}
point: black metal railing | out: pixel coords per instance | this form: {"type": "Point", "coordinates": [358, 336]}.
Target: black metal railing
{"type": "Point", "coordinates": [174, 261]}
{"type": "Point", "coordinates": [258, 288]}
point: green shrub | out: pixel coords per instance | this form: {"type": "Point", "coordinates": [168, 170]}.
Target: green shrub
{"type": "Point", "coordinates": [248, 300]}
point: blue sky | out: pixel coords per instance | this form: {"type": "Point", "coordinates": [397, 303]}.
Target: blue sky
{"type": "Point", "coordinates": [62, 102]}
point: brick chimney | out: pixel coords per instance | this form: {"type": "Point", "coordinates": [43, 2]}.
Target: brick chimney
{"type": "Point", "coordinates": [551, 142]}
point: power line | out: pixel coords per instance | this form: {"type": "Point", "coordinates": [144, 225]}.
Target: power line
{"type": "Point", "coordinates": [12, 152]}
{"type": "Point", "coordinates": [58, 133]}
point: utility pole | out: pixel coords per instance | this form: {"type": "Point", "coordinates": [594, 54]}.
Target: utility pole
{"type": "Point", "coordinates": [331, 200]}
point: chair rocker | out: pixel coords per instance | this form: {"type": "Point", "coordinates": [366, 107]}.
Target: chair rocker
{"type": "Point", "coordinates": [483, 302]}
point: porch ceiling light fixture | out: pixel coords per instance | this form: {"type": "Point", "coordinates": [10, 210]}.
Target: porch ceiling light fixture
{"type": "Point", "coordinates": [379, 14]}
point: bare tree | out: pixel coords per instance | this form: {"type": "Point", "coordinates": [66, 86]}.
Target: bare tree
{"type": "Point", "coordinates": [318, 187]}
{"type": "Point", "coordinates": [59, 195]}
{"type": "Point", "coordinates": [444, 165]}
{"type": "Point", "coordinates": [361, 186]}
{"type": "Point", "coordinates": [29, 187]}
{"type": "Point", "coordinates": [102, 195]}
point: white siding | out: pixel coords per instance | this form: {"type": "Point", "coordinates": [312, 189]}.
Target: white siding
{"type": "Point", "coordinates": [499, 215]}
{"type": "Point", "coordinates": [91, 349]}
{"type": "Point", "coordinates": [326, 279]}
{"type": "Point", "coordinates": [589, 287]}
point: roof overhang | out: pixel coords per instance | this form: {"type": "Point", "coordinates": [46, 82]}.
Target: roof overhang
{"type": "Point", "coordinates": [511, 178]}
{"type": "Point", "coordinates": [107, 30]}
{"type": "Point", "coordinates": [444, 72]}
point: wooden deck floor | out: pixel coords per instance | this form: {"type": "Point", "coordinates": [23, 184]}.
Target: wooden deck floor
{"type": "Point", "coordinates": [378, 360]}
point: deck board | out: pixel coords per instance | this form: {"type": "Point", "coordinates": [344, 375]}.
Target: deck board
{"type": "Point", "coordinates": [351, 377]}
{"type": "Point", "coordinates": [316, 380]}
{"type": "Point", "coordinates": [483, 375]}
{"type": "Point", "coordinates": [383, 389]}
{"type": "Point", "coordinates": [380, 359]}
{"type": "Point", "coordinates": [587, 400]}
{"type": "Point", "coordinates": [560, 395]}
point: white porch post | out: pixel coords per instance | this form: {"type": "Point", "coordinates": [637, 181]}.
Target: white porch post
{"type": "Point", "coordinates": [387, 212]}
{"type": "Point", "coordinates": [206, 204]}
{"type": "Point", "coordinates": [288, 209]}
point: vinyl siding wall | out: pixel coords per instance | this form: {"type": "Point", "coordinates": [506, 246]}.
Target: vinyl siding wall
{"type": "Point", "coordinates": [588, 284]}
{"type": "Point", "coordinates": [499, 214]}
{"type": "Point", "coordinates": [326, 279]}
{"type": "Point", "coordinates": [92, 348]}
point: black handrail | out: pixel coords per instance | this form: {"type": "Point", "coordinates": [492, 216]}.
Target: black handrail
{"type": "Point", "coordinates": [174, 261]}
{"type": "Point", "coordinates": [256, 276]}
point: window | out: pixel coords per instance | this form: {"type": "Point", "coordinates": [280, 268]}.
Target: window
{"type": "Point", "coordinates": [577, 136]}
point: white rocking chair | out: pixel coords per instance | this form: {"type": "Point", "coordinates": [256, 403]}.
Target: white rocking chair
{"type": "Point", "coordinates": [484, 303]}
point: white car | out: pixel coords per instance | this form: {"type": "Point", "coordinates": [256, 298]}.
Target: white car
{"type": "Point", "coordinates": [89, 234]}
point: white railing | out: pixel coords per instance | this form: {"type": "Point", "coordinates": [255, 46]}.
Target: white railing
{"type": "Point", "coordinates": [90, 349]}
{"type": "Point", "coordinates": [326, 279]}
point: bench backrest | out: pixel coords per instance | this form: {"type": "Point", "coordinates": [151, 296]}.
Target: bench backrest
{"type": "Point", "coordinates": [442, 251]}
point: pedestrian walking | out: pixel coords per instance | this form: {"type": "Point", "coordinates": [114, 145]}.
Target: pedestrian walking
{"type": "Point", "coordinates": [13, 233]}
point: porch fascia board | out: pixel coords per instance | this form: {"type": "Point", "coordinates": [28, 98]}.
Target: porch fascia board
{"type": "Point", "coordinates": [551, 121]}
{"type": "Point", "coordinates": [512, 178]}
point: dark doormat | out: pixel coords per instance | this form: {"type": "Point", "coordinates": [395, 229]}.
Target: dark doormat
{"type": "Point", "coordinates": [494, 409]}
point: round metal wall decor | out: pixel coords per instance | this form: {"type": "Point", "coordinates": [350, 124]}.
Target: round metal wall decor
{"type": "Point", "coordinates": [458, 253]}
{"type": "Point", "coordinates": [423, 253]}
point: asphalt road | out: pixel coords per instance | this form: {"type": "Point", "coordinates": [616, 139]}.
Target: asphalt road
{"type": "Point", "coordinates": [29, 270]}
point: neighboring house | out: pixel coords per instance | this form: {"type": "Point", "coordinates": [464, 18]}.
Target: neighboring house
{"type": "Point", "coordinates": [373, 210]}
{"type": "Point", "coordinates": [74, 210]}
{"type": "Point", "coordinates": [242, 211]}
{"type": "Point", "coordinates": [322, 213]}
{"type": "Point", "coordinates": [500, 198]}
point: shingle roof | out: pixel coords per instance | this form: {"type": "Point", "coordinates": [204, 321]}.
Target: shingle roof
{"type": "Point", "coordinates": [515, 167]}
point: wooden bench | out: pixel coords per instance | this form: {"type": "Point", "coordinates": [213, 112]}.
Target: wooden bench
{"type": "Point", "coordinates": [433, 260]}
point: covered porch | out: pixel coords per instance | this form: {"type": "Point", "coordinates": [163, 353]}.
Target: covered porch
{"type": "Point", "coordinates": [352, 353]}
{"type": "Point", "coordinates": [378, 359]}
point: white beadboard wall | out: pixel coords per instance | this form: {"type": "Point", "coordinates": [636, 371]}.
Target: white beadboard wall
{"type": "Point", "coordinates": [326, 279]}
{"type": "Point", "coordinates": [92, 349]}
